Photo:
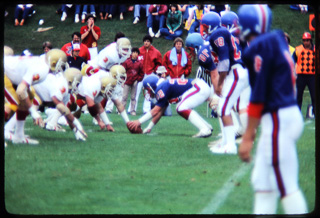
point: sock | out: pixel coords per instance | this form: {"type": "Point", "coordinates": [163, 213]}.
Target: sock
{"type": "Point", "coordinates": [244, 122]}
{"type": "Point", "coordinates": [265, 202]}
{"type": "Point", "coordinates": [19, 131]}
{"type": "Point", "coordinates": [294, 203]}
{"type": "Point", "coordinates": [223, 139]}
{"type": "Point", "coordinates": [230, 136]}
{"type": "Point", "coordinates": [125, 116]}
{"type": "Point", "coordinates": [11, 124]}
{"type": "Point", "coordinates": [196, 120]}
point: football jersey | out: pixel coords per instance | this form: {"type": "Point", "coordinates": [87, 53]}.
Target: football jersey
{"type": "Point", "coordinates": [109, 56]}
{"type": "Point", "coordinates": [226, 46]}
{"type": "Point", "coordinates": [171, 89]}
{"type": "Point", "coordinates": [271, 71]}
{"type": "Point", "coordinates": [206, 63]}
{"type": "Point", "coordinates": [53, 86]}
{"type": "Point", "coordinates": [31, 69]}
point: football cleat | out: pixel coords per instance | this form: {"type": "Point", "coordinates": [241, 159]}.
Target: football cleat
{"type": "Point", "coordinates": [24, 140]}
{"type": "Point", "coordinates": [8, 135]}
{"type": "Point", "coordinates": [224, 149]}
{"type": "Point", "coordinates": [204, 133]}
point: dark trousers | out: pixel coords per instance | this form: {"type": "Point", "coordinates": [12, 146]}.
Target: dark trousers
{"type": "Point", "coordinates": [302, 81]}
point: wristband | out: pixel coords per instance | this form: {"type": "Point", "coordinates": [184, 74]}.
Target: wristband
{"type": "Point", "coordinates": [150, 125]}
{"type": "Point", "coordinates": [125, 116]}
{"type": "Point", "coordinates": [145, 117]}
{"type": "Point", "coordinates": [104, 118]}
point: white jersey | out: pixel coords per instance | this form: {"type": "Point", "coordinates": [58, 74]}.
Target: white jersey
{"type": "Point", "coordinates": [108, 57]}
{"type": "Point", "coordinates": [53, 86]}
{"type": "Point", "coordinates": [91, 86]}
{"type": "Point", "coordinates": [31, 69]}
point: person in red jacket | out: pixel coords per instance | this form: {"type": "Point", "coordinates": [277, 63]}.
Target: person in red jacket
{"type": "Point", "coordinates": [135, 74]}
{"type": "Point", "coordinates": [151, 59]}
{"type": "Point", "coordinates": [156, 18]}
{"type": "Point", "coordinates": [84, 51]}
{"type": "Point", "coordinates": [177, 60]}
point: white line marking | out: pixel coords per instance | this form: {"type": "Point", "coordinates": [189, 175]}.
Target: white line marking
{"type": "Point", "coordinates": [221, 195]}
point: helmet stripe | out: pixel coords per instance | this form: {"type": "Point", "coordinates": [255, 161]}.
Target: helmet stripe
{"type": "Point", "coordinates": [263, 19]}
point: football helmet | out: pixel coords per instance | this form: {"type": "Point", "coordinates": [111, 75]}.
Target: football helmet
{"type": "Point", "coordinates": [124, 47]}
{"type": "Point", "coordinates": [306, 35]}
{"type": "Point", "coordinates": [108, 84]}
{"type": "Point", "coordinates": [254, 19]}
{"type": "Point", "coordinates": [150, 84]}
{"type": "Point", "coordinates": [74, 77]}
{"type": "Point", "coordinates": [57, 60]}
{"type": "Point", "coordinates": [193, 43]}
{"type": "Point", "coordinates": [230, 20]}
{"type": "Point", "coordinates": [118, 72]}
{"type": "Point", "coordinates": [7, 51]}
{"type": "Point", "coordinates": [209, 22]}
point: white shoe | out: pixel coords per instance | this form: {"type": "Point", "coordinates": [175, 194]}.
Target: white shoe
{"type": "Point", "coordinates": [64, 16]}
{"type": "Point", "coordinates": [215, 143]}
{"type": "Point", "coordinates": [121, 16]}
{"type": "Point", "coordinates": [204, 133]}
{"type": "Point", "coordinates": [151, 32]}
{"type": "Point", "coordinates": [8, 135]}
{"type": "Point", "coordinates": [136, 20]}
{"type": "Point", "coordinates": [224, 149]}
{"type": "Point", "coordinates": [76, 18]}
{"type": "Point", "coordinates": [158, 34]}
{"type": "Point", "coordinates": [24, 140]}
{"type": "Point", "coordinates": [51, 127]}
{"type": "Point", "coordinates": [94, 121]}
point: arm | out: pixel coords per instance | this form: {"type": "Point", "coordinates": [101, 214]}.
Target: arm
{"type": "Point", "coordinates": [180, 22]}
{"type": "Point", "coordinates": [215, 79]}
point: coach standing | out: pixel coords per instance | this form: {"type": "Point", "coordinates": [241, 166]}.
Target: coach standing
{"type": "Point", "coordinates": [305, 68]}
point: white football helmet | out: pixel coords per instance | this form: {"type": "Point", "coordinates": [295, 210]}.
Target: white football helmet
{"type": "Point", "coordinates": [7, 51]}
{"type": "Point", "coordinates": [124, 47]}
{"type": "Point", "coordinates": [118, 72]}
{"type": "Point", "coordinates": [57, 60]}
{"type": "Point", "coordinates": [108, 85]}
{"type": "Point", "coordinates": [74, 77]}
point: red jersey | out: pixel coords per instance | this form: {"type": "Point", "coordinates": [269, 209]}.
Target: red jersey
{"type": "Point", "coordinates": [84, 51]}
{"type": "Point", "coordinates": [134, 70]}
{"type": "Point", "coordinates": [90, 41]}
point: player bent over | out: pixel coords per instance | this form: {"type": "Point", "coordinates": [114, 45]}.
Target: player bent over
{"type": "Point", "coordinates": [187, 93]}
{"type": "Point", "coordinates": [273, 104]}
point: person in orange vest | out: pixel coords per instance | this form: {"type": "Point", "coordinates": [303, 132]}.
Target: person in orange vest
{"type": "Point", "coordinates": [304, 57]}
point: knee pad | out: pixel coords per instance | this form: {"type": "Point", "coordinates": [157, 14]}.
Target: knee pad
{"type": "Point", "coordinates": [184, 113]}
{"type": "Point", "coordinates": [63, 109]}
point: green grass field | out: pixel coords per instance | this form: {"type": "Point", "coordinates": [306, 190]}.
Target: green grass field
{"type": "Point", "coordinates": [166, 172]}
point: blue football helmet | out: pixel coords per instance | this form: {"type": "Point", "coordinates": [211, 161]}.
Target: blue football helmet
{"type": "Point", "coordinates": [209, 22]}
{"type": "Point", "coordinates": [193, 43]}
{"type": "Point", "coordinates": [230, 20]}
{"type": "Point", "coordinates": [150, 83]}
{"type": "Point", "coordinates": [254, 19]}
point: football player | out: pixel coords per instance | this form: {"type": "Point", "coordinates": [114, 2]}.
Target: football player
{"type": "Point", "coordinates": [186, 92]}
{"type": "Point", "coordinates": [232, 79]}
{"type": "Point", "coordinates": [273, 104]}
{"type": "Point", "coordinates": [94, 89]}
{"type": "Point", "coordinates": [23, 72]}
{"type": "Point", "coordinates": [57, 88]}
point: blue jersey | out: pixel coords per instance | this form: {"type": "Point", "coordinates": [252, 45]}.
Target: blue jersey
{"type": "Point", "coordinates": [226, 46]}
{"type": "Point", "coordinates": [271, 71]}
{"type": "Point", "coordinates": [206, 63]}
{"type": "Point", "coordinates": [171, 90]}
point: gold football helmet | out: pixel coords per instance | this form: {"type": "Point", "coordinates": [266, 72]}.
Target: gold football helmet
{"type": "Point", "coordinates": [108, 84]}
{"type": "Point", "coordinates": [119, 73]}
{"type": "Point", "coordinates": [74, 77]}
{"type": "Point", "coordinates": [7, 51]}
{"type": "Point", "coordinates": [57, 60]}
{"type": "Point", "coordinates": [124, 47]}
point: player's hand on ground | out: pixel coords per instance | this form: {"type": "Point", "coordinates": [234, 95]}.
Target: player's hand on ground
{"type": "Point", "coordinates": [39, 122]}
{"type": "Point", "coordinates": [245, 149]}
{"type": "Point", "coordinates": [80, 134]}
{"type": "Point", "coordinates": [146, 131]}
{"type": "Point", "coordinates": [109, 128]}
{"type": "Point", "coordinates": [134, 126]}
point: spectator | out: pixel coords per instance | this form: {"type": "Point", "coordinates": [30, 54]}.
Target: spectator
{"type": "Point", "coordinates": [185, 11]}
{"type": "Point", "coordinates": [85, 12]}
{"type": "Point", "coordinates": [104, 11]}
{"type": "Point", "coordinates": [76, 38]}
{"type": "Point", "coordinates": [156, 18]}
{"type": "Point", "coordinates": [135, 74]}
{"type": "Point", "coordinates": [115, 8]}
{"type": "Point", "coordinates": [136, 13]}
{"type": "Point", "coordinates": [220, 9]}
{"type": "Point", "coordinates": [77, 13]}
{"type": "Point", "coordinates": [75, 60]}
{"type": "Point", "coordinates": [90, 34]}
{"type": "Point", "coordinates": [304, 57]}
{"type": "Point", "coordinates": [291, 49]}
{"type": "Point", "coordinates": [173, 23]}
{"type": "Point", "coordinates": [21, 13]}
{"type": "Point", "coordinates": [195, 15]}
{"type": "Point", "coordinates": [177, 60]}
{"type": "Point", "coordinates": [46, 46]}
{"type": "Point", "coordinates": [151, 59]}
{"type": "Point", "coordinates": [65, 8]}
